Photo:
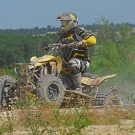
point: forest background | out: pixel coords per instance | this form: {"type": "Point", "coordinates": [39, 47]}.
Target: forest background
{"type": "Point", "coordinates": [114, 52]}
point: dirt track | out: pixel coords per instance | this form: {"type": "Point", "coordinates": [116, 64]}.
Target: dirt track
{"type": "Point", "coordinates": [125, 127]}
{"type": "Point", "coordinates": [109, 130]}
{"type": "Point", "coordinates": [95, 130]}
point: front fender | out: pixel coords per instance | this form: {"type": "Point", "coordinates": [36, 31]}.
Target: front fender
{"type": "Point", "coordinates": [44, 59]}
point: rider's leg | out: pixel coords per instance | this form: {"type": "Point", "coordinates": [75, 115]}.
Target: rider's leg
{"type": "Point", "coordinates": [76, 80]}
{"type": "Point", "coordinates": [77, 66]}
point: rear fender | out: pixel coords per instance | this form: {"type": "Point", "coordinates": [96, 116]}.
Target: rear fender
{"type": "Point", "coordinates": [96, 81]}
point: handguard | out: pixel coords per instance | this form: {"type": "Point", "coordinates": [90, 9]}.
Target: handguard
{"type": "Point", "coordinates": [46, 48]}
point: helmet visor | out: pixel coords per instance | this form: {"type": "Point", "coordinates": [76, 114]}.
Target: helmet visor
{"type": "Point", "coordinates": [64, 23]}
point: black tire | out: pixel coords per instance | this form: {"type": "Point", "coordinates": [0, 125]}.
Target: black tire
{"type": "Point", "coordinates": [50, 89]}
{"type": "Point", "coordinates": [7, 87]}
{"type": "Point", "coordinates": [106, 98]}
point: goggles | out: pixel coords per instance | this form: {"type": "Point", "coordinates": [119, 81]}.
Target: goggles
{"type": "Point", "coordinates": [64, 23]}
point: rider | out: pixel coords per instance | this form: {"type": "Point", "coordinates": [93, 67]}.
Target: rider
{"type": "Point", "coordinates": [77, 57]}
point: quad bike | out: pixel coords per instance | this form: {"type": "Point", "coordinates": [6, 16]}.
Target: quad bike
{"type": "Point", "coordinates": [50, 82]}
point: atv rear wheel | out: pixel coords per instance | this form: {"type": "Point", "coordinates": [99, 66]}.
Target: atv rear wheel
{"type": "Point", "coordinates": [106, 98]}
{"type": "Point", "coordinates": [50, 89]}
{"type": "Point", "coordinates": [7, 91]}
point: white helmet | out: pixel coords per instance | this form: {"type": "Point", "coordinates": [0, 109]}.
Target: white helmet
{"type": "Point", "coordinates": [68, 21]}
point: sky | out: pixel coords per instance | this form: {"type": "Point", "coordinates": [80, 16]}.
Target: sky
{"type": "Point", "coordinates": [16, 14]}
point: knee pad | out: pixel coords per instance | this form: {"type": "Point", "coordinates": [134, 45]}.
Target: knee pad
{"type": "Point", "coordinates": [74, 65]}
{"type": "Point", "coordinates": [84, 66]}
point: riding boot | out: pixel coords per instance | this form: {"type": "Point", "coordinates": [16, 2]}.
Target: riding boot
{"type": "Point", "coordinates": [76, 80]}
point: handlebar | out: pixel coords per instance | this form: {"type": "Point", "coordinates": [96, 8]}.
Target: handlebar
{"type": "Point", "coordinates": [60, 45]}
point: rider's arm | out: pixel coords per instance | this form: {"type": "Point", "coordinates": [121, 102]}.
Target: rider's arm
{"type": "Point", "coordinates": [87, 38]}
{"type": "Point", "coordinates": [88, 41]}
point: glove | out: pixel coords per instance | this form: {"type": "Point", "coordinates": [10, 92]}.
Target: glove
{"type": "Point", "coordinates": [74, 44]}
{"type": "Point", "coordinates": [69, 45]}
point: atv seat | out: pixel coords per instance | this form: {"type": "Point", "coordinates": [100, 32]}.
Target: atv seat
{"type": "Point", "coordinates": [89, 75]}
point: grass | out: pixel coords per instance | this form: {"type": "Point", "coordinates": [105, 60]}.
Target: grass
{"type": "Point", "coordinates": [63, 121]}
{"type": "Point", "coordinates": [40, 119]}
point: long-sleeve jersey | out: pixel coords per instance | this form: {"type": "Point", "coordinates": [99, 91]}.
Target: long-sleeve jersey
{"type": "Point", "coordinates": [76, 34]}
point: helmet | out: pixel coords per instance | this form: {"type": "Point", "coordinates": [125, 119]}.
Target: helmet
{"type": "Point", "coordinates": [68, 21]}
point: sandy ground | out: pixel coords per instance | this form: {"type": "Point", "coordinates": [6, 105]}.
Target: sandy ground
{"type": "Point", "coordinates": [94, 130]}
{"type": "Point", "coordinates": [109, 130]}
{"type": "Point", "coordinates": [126, 127]}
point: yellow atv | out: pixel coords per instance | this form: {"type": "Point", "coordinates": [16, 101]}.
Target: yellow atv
{"type": "Point", "coordinates": [51, 83]}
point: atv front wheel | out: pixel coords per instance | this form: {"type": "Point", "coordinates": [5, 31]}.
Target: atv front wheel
{"type": "Point", "coordinates": [50, 89]}
{"type": "Point", "coordinates": [8, 86]}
